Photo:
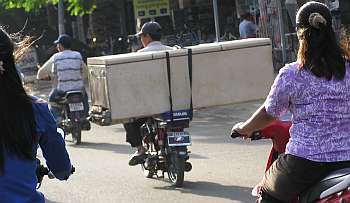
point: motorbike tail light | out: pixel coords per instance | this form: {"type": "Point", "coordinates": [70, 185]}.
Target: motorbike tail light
{"type": "Point", "coordinates": [75, 98]}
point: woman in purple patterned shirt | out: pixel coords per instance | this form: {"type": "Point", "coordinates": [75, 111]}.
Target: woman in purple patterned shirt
{"type": "Point", "coordinates": [316, 90]}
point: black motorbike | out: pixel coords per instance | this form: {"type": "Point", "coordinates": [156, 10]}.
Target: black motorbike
{"type": "Point", "coordinates": [73, 115]}
{"type": "Point", "coordinates": [166, 143]}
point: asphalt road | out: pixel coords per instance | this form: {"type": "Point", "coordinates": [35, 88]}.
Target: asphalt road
{"type": "Point", "coordinates": [224, 170]}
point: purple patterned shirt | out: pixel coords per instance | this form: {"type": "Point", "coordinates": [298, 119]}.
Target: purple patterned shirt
{"type": "Point", "coordinates": [321, 113]}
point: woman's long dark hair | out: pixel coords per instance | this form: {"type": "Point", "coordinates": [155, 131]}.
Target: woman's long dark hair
{"type": "Point", "coordinates": [17, 124]}
{"type": "Point", "coordinates": [321, 53]}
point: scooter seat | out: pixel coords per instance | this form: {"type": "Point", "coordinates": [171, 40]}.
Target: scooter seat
{"type": "Point", "coordinates": [331, 184]}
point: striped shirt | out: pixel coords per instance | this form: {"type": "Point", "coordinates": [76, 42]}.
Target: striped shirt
{"type": "Point", "coordinates": [67, 67]}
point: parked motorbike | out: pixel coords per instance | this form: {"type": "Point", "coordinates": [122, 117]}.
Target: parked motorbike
{"type": "Point", "coordinates": [166, 143]}
{"type": "Point", "coordinates": [73, 115]}
{"type": "Point", "coordinates": [333, 188]}
{"type": "Point", "coordinates": [42, 171]}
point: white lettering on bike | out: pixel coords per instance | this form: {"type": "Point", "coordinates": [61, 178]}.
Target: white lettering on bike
{"type": "Point", "coordinates": [180, 114]}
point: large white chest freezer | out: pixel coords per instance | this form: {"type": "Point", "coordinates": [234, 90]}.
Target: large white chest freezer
{"type": "Point", "coordinates": [136, 85]}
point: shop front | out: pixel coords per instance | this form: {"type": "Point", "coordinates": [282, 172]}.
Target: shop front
{"type": "Point", "coordinates": [188, 22]}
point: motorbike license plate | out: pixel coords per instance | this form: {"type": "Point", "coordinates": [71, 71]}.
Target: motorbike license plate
{"type": "Point", "coordinates": [76, 106]}
{"type": "Point", "coordinates": [179, 139]}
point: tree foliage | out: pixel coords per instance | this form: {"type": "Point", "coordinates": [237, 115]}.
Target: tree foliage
{"type": "Point", "coordinates": [75, 7]}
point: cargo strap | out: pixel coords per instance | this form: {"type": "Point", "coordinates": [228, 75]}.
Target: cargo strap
{"type": "Point", "coordinates": [189, 62]}
{"type": "Point", "coordinates": [169, 82]}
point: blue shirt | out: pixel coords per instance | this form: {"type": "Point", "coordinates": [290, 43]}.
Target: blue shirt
{"type": "Point", "coordinates": [18, 183]}
{"type": "Point", "coordinates": [247, 29]}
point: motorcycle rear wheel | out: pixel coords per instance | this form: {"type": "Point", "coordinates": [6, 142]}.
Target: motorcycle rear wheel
{"type": "Point", "coordinates": [76, 135]}
{"type": "Point", "coordinates": [176, 171]}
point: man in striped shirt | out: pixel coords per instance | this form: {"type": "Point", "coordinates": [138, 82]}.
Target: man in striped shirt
{"type": "Point", "coordinates": [67, 69]}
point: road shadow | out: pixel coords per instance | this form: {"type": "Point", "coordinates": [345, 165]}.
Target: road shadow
{"type": "Point", "coordinates": [197, 156]}
{"type": "Point", "coordinates": [210, 189]}
{"type": "Point", "coordinates": [116, 148]}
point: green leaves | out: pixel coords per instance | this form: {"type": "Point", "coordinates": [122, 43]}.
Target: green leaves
{"type": "Point", "coordinates": [75, 7]}
{"type": "Point", "coordinates": [81, 7]}
{"type": "Point", "coordinates": [28, 5]}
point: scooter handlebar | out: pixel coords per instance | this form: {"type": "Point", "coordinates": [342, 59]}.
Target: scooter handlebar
{"type": "Point", "coordinates": [236, 134]}
{"type": "Point", "coordinates": [255, 136]}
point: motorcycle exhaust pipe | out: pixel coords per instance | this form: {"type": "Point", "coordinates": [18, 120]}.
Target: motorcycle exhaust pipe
{"type": "Point", "coordinates": [188, 166]}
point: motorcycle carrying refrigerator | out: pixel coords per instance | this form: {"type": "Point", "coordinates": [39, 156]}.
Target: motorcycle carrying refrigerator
{"type": "Point", "coordinates": [147, 84]}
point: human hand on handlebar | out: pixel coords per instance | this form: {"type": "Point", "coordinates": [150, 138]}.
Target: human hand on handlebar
{"type": "Point", "coordinates": [236, 131]}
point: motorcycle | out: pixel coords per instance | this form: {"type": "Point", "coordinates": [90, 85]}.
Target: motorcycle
{"type": "Point", "coordinates": [333, 188]}
{"type": "Point", "coordinates": [73, 115]}
{"type": "Point", "coordinates": [166, 143]}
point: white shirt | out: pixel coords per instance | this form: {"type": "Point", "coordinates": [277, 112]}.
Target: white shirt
{"type": "Point", "coordinates": [155, 46]}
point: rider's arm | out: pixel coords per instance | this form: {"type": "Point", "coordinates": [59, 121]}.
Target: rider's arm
{"type": "Point", "coordinates": [53, 146]}
{"type": "Point", "coordinates": [45, 70]}
{"type": "Point", "coordinates": [258, 120]}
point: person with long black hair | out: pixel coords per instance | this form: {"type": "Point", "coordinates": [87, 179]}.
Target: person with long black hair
{"type": "Point", "coordinates": [25, 124]}
{"type": "Point", "coordinates": [316, 90]}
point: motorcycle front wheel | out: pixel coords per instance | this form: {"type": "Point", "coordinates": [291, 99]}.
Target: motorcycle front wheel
{"type": "Point", "coordinates": [176, 170]}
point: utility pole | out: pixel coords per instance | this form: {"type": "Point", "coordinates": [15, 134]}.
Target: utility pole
{"type": "Point", "coordinates": [216, 20]}
{"type": "Point", "coordinates": [292, 7]}
{"type": "Point", "coordinates": [282, 33]}
{"type": "Point", "coordinates": [61, 29]}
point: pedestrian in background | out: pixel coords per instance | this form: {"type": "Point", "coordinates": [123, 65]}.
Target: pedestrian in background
{"type": "Point", "coordinates": [247, 28]}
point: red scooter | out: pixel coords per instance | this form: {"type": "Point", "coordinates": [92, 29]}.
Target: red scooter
{"type": "Point", "coordinates": [334, 188]}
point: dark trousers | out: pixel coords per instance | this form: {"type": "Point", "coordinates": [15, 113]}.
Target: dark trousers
{"type": "Point", "coordinates": [290, 175]}
{"type": "Point", "coordinates": [133, 131]}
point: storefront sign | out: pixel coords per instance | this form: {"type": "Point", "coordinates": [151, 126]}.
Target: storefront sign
{"type": "Point", "coordinates": [151, 8]}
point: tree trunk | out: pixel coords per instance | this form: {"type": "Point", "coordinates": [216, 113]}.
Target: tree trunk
{"type": "Point", "coordinates": [81, 30]}
{"type": "Point", "coordinates": [50, 17]}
